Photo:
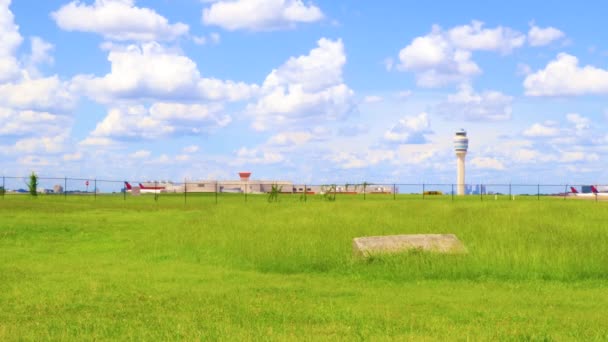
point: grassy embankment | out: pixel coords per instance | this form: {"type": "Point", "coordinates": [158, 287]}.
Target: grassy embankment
{"type": "Point", "coordinates": [79, 268]}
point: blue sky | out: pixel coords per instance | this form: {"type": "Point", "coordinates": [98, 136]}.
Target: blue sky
{"type": "Point", "coordinates": [319, 91]}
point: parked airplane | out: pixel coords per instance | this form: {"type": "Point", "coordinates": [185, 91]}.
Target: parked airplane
{"type": "Point", "coordinates": [594, 192]}
{"type": "Point", "coordinates": [151, 189]}
{"type": "Point", "coordinates": [145, 189]}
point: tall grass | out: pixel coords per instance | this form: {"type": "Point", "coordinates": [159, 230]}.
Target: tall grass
{"type": "Point", "coordinates": [106, 268]}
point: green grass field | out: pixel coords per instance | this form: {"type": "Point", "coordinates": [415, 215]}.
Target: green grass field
{"type": "Point", "coordinates": [80, 268]}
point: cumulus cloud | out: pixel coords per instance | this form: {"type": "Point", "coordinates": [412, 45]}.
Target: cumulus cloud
{"type": "Point", "coordinates": [307, 89]}
{"type": "Point", "coordinates": [476, 37]}
{"type": "Point", "coordinates": [469, 105]}
{"type": "Point", "coordinates": [409, 130]}
{"type": "Point", "coordinates": [443, 57]}
{"type": "Point", "coordinates": [160, 120]}
{"type": "Point", "coordinates": [543, 36]}
{"type": "Point", "coordinates": [564, 77]}
{"type": "Point", "coordinates": [358, 160]}
{"type": "Point", "coordinates": [487, 163]}
{"type": "Point", "coordinates": [118, 20]}
{"type": "Point", "coordinates": [42, 94]}
{"type": "Point", "coordinates": [11, 40]}
{"type": "Point", "coordinates": [151, 71]}
{"type": "Point", "coordinates": [290, 138]}
{"type": "Point", "coordinates": [260, 15]}
{"type": "Point", "coordinates": [547, 129]}
{"type": "Point", "coordinates": [257, 156]}
{"type": "Point", "coordinates": [580, 122]}
{"type": "Point", "coordinates": [29, 122]}
{"type": "Point", "coordinates": [141, 154]}
{"type": "Point", "coordinates": [191, 149]}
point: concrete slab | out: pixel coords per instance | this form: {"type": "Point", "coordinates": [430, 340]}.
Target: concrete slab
{"type": "Point", "coordinates": [438, 243]}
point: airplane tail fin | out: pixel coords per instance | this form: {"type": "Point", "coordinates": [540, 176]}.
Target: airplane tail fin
{"type": "Point", "coordinates": [141, 186]}
{"type": "Point", "coordinates": [128, 186]}
{"type": "Point", "coordinates": [594, 189]}
{"type": "Point", "coordinates": [574, 191]}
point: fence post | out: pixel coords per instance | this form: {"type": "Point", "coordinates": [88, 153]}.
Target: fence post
{"type": "Point", "coordinates": [394, 191]}
{"type": "Point", "coordinates": [216, 192]}
{"type": "Point", "coordinates": [452, 192]}
{"type": "Point", "coordinates": [538, 192]}
{"type": "Point", "coordinates": [510, 195]}
{"type": "Point", "coordinates": [481, 192]}
{"type": "Point", "coordinates": [65, 187]}
{"type": "Point", "coordinates": [95, 189]}
{"type": "Point", "coordinates": [305, 191]}
{"type": "Point", "coordinates": [155, 191]}
{"type": "Point", "coordinates": [124, 191]}
{"type": "Point", "coordinates": [565, 191]}
{"type": "Point", "coordinates": [422, 190]}
{"type": "Point", "coordinates": [185, 191]}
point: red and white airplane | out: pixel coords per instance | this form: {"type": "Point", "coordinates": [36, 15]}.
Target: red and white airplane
{"type": "Point", "coordinates": [594, 192]}
{"type": "Point", "coordinates": [146, 189]}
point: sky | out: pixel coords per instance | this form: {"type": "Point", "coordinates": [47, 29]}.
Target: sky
{"type": "Point", "coordinates": [306, 91]}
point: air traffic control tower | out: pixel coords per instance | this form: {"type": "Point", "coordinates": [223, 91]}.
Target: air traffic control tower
{"type": "Point", "coordinates": [461, 145]}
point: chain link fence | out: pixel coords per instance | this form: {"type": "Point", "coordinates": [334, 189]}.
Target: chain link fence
{"type": "Point", "coordinates": [214, 191]}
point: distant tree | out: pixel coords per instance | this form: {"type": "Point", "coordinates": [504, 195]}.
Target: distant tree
{"type": "Point", "coordinates": [33, 184]}
{"type": "Point", "coordinates": [330, 193]}
{"type": "Point", "coordinates": [273, 195]}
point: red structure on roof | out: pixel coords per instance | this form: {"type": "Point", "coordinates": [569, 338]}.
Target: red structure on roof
{"type": "Point", "coordinates": [244, 176]}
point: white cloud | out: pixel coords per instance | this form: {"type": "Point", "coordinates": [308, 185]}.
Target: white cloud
{"type": "Point", "coordinates": [160, 120]}
{"type": "Point", "coordinates": [487, 163]}
{"type": "Point", "coordinates": [191, 149]}
{"type": "Point", "coordinates": [358, 160]}
{"type": "Point", "coordinates": [118, 20]}
{"type": "Point", "coordinates": [564, 77]}
{"type": "Point", "coordinates": [306, 89]}
{"type": "Point", "coordinates": [29, 122]}
{"type": "Point", "coordinates": [548, 129]}
{"type": "Point", "coordinates": [435, 61]}
{"type": "Point", "coordinates": [257, 156]}
{"type": "Point", "coordinates": [40, 54]}
{"type": "Point", "coordinates": [469, 105]}
{"type": "Point", "coordinates": [34, 161]}
{"type": "Point", "coordinates": [543, 36]}
{"type": "Point", "coordinates": [476, 37]}
{"type": "Point", "coordinates": [581, 123]}
{"type": "Point", "coordinates": [97, 142]}
{"type": "Point", "coordinates": [444, 57]}
{"type": "Point", "coordinates": [141, 154]}
{"type": "Point", "coordinates": [43, 94]}
{"type": "Point", "coordinates": [372, 99]}
{"type": "Point", "coordinates": [182, 157]}
{"type": "Point", "coordinates": [577, 156]}
{"type": "Point", "coordinates": [52, 144]}
{"type": "Point", "coordinates": [409, 130]}
{"type": "Point", "coordinates": [151, 71]}
{"type": "Point", "coordinates": [213, 38]}
{"type": "Point", "coordinates": [290, 138]}
{"type": "Point", "coordinates": [260, 15]}
{"type": "Point", "coordinates": [11, 40]}
{"type": "Point", "coordinates": [73, 156]}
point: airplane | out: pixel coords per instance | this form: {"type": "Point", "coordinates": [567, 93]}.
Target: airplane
{"type": "Point", "coordinates": [144, 189]}
{"type": "Point", "coordinates": [594, 192]}
{"type": "Point", "coordinates": [151, 189]}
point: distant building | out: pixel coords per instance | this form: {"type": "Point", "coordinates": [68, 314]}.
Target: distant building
{"type": "Point", "coordinates": [58, 189]}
